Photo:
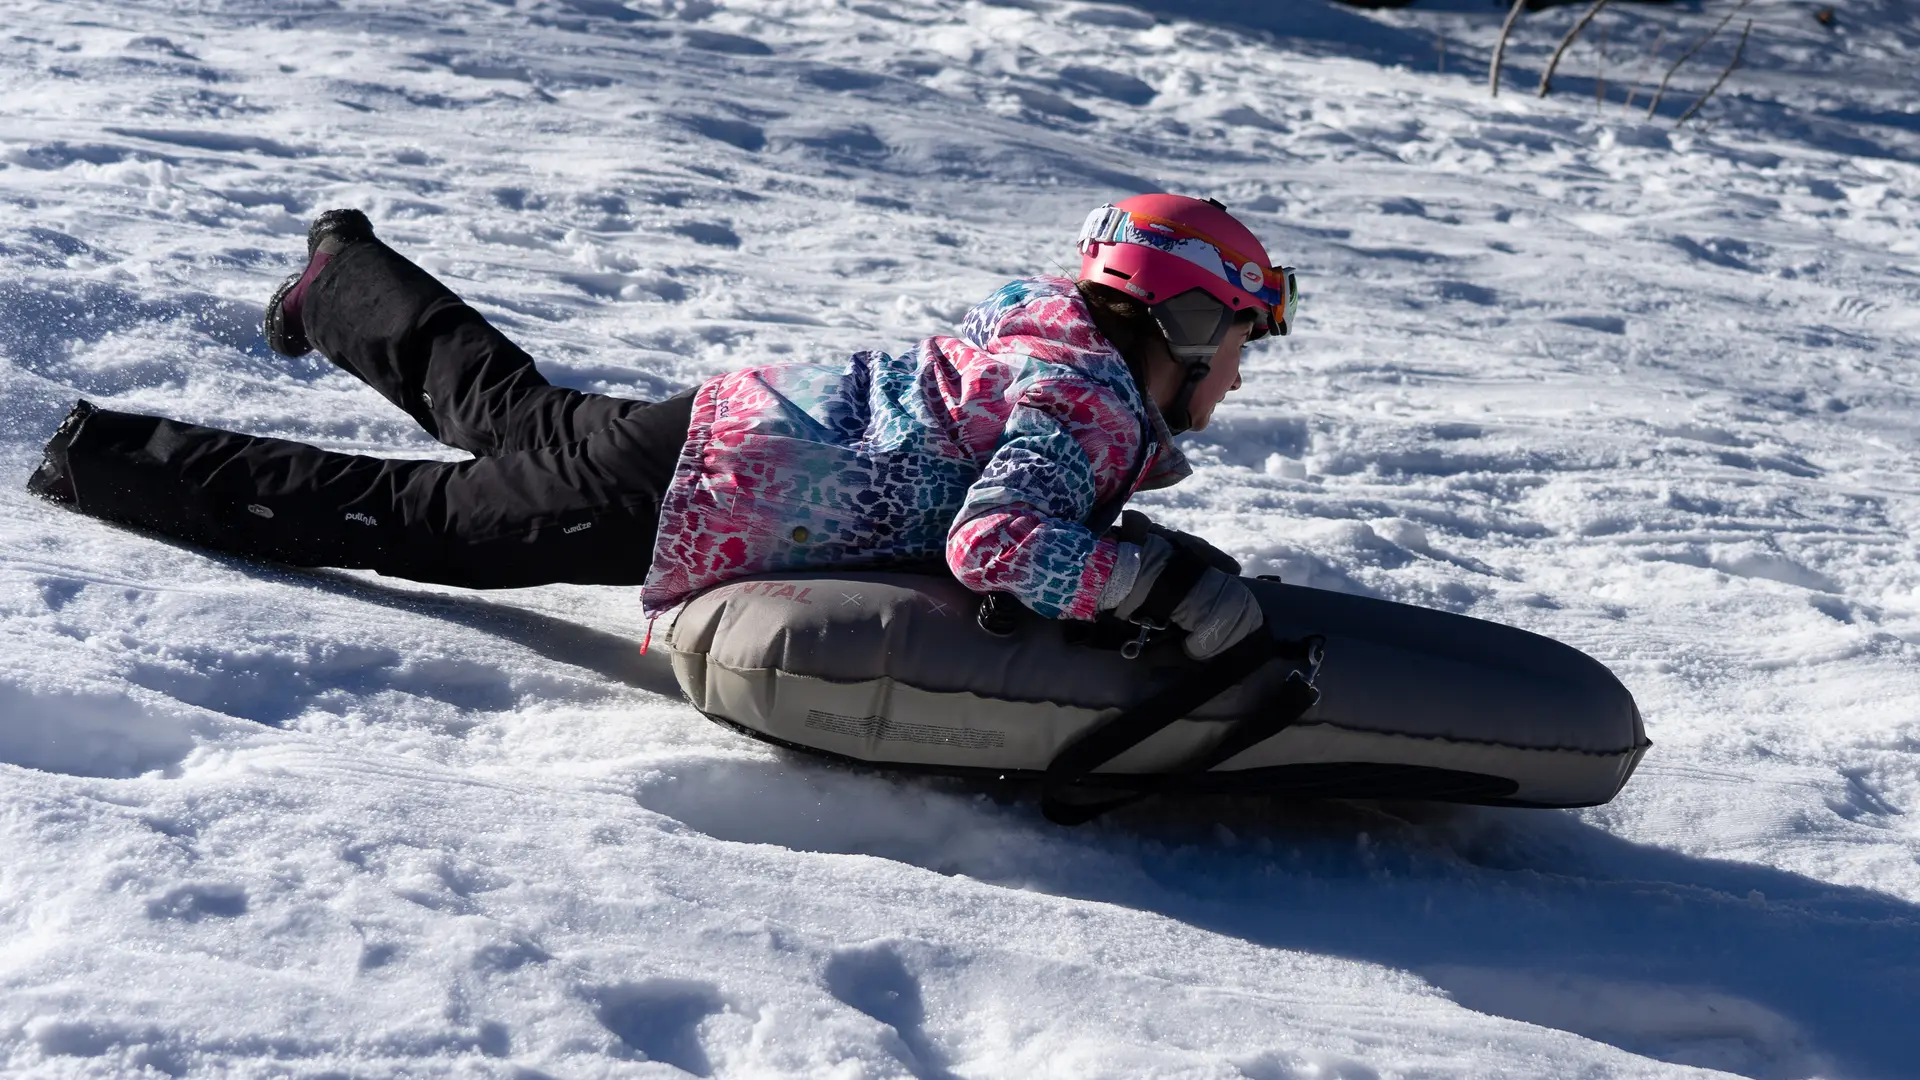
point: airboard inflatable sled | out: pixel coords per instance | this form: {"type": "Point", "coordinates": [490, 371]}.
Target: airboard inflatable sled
{"type": "Point", "coordinates": [896, 669]}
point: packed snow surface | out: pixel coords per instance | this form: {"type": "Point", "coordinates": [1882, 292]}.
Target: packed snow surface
{"type": "Point", "coordinates": [1648, 391]}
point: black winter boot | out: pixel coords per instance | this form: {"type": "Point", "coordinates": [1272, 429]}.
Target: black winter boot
{"type": "Point", "coordinates": [51, 481]}
{"type": "Point", "coordinates": [329, 235]}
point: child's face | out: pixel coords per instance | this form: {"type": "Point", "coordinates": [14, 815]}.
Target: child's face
{"type": "Point", "coordinates": [1222, 378]}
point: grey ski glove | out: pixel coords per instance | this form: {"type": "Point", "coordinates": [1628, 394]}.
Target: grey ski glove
{"type": "Point", "coordinates": [1216, 610]}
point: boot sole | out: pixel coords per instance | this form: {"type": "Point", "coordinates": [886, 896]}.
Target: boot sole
{"type": "Point", "coordinates": [280, 338]}
{"type": "Point", "coordinates": [346, 226]}
{"type": "Point", "coordinates": [51, 481]}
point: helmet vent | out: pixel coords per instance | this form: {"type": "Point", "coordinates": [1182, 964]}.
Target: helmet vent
{"type": "Point", "coordinates": [1121, 274]}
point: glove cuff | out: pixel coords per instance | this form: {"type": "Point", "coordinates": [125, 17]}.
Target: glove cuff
{"type": "Point", "coordinates": [1167, 573]}
{"type": "Point", "coordinates": [1127, 559]}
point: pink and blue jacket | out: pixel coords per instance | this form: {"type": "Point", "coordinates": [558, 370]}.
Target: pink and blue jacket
{"type": "Point", "coordinates": [991, 450]}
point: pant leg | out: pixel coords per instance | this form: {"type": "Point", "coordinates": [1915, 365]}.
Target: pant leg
{"type": "Point", "coordinates": [377, 315]}
{"type": "Point", "coordinates": [584, 513]}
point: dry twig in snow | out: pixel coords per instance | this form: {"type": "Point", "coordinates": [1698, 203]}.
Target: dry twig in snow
{"type": "Point", "coordinates": [1641, 75]}
{"type": "Point", "coordinates": [1546, 77]}
{"type": "Point", "coordinates": [1688, 55]}
{"type": "Point", "coordinates": [1500, 48]}
{"type": "Point", "coordinates": [1731, 64]}
{"type": "Point", "coordinates": [1600, 70]}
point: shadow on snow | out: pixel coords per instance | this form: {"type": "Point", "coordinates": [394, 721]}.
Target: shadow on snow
{"type": "Point", "coordinates": [1532, 915]}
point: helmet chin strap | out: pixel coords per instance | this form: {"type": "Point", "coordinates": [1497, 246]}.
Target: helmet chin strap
{"type": "Point", "coordinates": [1192, 325]}
{"type": "Point", "coordinates": [1178, 415]}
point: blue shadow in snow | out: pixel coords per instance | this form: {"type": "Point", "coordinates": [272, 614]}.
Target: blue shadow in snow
{"type": "Point", "coordinates": [1539, 917]}
{"type": "Point", "coordinates": [610, 656]}
{"type": "Point", "coordinates": [875, 980]}
{"type": "Point", "coordinates": [1320, 27]}
{"type": "Point", "coordinates": [1531, 915]}
{"type": "Point", "coordinates": [1328, 28]}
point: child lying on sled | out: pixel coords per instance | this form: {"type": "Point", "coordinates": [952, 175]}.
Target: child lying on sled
{"type": "Point", "coordinates": [1008, 450]}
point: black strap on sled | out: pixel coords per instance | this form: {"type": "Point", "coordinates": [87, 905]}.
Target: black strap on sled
{"type": "Point", "coordinates": [1068, 796]}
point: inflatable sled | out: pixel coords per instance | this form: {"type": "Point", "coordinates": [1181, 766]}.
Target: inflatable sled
{"type": "Point", "coordinates": [1349, 697]}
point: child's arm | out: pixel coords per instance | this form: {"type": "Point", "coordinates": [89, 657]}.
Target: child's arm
{"type": "Point", "coordinates": [1069, 444]}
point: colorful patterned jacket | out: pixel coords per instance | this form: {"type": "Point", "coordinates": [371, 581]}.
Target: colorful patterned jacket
{"type": "Point", "coordinates": [994, 447]}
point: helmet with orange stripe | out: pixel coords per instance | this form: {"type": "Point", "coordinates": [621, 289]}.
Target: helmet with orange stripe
{"type": "Point", "coordinates": [1196, 268]}
{"type": "Point", "coordinates": [1162, 247]}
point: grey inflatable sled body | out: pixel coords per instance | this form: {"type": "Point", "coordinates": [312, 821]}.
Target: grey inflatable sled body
{"type": "Point", "coordinates": [895, 669]}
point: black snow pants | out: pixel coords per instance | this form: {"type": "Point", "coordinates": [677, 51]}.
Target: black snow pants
{"type": "Point", "coordinates": [564, 486]}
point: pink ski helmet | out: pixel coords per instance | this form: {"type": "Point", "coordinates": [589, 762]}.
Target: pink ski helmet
{"type": "Point", "coordinates": [1160, 248]}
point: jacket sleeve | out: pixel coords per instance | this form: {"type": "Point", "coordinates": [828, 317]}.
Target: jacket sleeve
{"type": "Point", "coordinates": [1068, 445]}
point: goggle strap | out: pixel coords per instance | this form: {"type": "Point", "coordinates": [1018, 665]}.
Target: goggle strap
{"type": "Point", "coordinates": [1108, 224]}
{"type": "Point", "coordinates": [1103, 226]}
{"type": "Point", "coordinates": [1226, 253]}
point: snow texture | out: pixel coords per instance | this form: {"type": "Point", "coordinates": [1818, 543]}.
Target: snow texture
{"type": "Point", "coordinates": [1649, 391]}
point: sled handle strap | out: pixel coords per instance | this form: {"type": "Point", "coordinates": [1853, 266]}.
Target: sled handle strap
{"type": "Point", "coordinates": [1135, 725]}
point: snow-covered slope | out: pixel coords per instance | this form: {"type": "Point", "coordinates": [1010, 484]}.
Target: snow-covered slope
{"type": "Point", "coordinates": [1649, 392]}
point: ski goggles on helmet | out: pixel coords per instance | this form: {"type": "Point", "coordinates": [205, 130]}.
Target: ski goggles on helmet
{"type": "Point", "coordinates": [1277, 288]}
{"type": "Point", "coordinates": [1280, 315]}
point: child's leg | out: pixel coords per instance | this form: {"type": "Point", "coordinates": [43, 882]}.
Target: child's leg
{"type": "Point", "coordinates": [374, 313]}
{"type": "Point", "coordinates": [583, 513]}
